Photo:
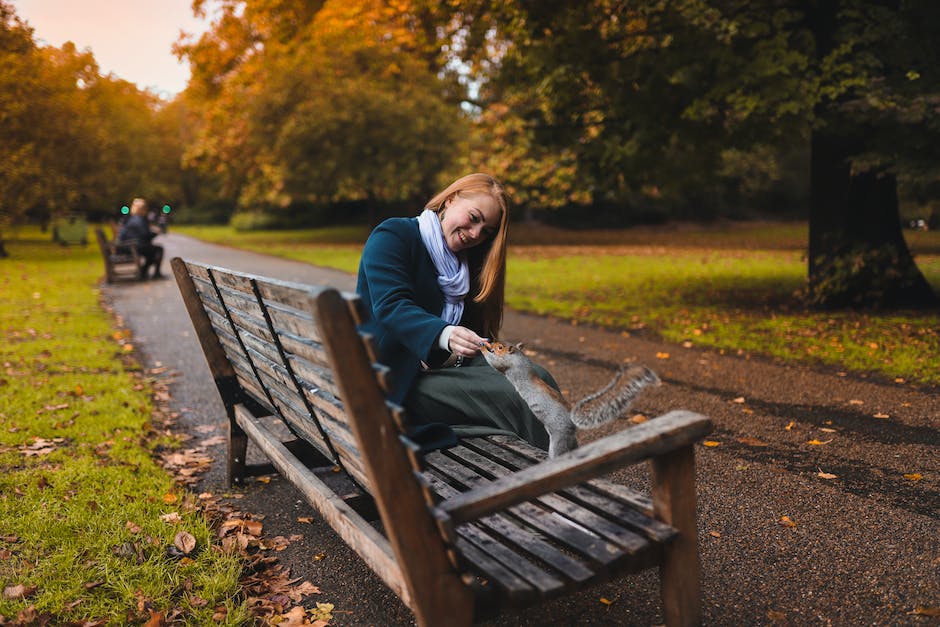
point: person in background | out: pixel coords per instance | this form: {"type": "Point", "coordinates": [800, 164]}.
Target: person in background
{"type": "Point", "coordinates": [137, 230]}
{"type": "Point", "coordinates": [434, 285]}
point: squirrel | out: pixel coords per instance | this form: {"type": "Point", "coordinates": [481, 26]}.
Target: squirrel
{"type": "Point", "coordinates": [559, 417]}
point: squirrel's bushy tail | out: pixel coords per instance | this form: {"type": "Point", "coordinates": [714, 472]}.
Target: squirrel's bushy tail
{"type": "Point", "coordinates": [612, 400]}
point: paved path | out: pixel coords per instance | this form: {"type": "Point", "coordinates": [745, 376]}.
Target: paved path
{"type": "Point", "coordinates": [865, 548]}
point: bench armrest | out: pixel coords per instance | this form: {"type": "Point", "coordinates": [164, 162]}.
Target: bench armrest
{"type": "Point", "coordinates": [655, 437]}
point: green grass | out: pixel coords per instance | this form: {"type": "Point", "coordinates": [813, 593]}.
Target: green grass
{"type": "Point", "coordinates": [729, 287]}
{"type": "Point", "coordinates": [80, 494]}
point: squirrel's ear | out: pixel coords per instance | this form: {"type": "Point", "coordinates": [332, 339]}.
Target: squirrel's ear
{"type": "Point", "coordinates": [519, 345]}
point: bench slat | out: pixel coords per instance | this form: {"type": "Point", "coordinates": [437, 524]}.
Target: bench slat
{"type": "Point", "coordinates": [637, 518]}
{"type": "Point", "coordinates": [561, 530]}
{"type": "Point", "coordinates": [291, 321]}
{"type": "Point", "coordinates": [539, 550]}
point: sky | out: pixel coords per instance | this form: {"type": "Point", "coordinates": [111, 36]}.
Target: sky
{"type": "Point", "coordinates": [131, 39]}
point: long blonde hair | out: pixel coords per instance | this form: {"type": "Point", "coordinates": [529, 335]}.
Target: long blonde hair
{"type": "Point", "coordinates": [487, 261]}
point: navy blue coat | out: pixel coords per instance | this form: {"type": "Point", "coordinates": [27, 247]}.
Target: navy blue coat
{"type": "Point", "coordinates": [137, 228]}
{"type": "Point", "coordinates": [398, 283]}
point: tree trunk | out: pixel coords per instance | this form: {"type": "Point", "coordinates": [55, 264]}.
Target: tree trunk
{"type": "Point", "coordinates": [857, 252]}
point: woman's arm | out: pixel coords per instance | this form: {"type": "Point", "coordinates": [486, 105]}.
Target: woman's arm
{"type": "Point", "coordinates": [403, 290]}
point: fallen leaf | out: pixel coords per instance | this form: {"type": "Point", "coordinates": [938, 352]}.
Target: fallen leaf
{"type": "Point", "coordinates": [819, 442]}
{"type": "Point", "coordinates": [323, 611]}
{"type": "Point", "coordinates": [662, 355]}
{"type": "Point", "coordinates": [18, 591]}
{"type": "Point", "coordinates": [923, 610]}
{"type": "Point", "coordinates": [185, 542]}
{"type": "Point", "coordinates": [133, 527]}
{"type": "Point", "coordinates": [263, 479]}
{"type": "Point", "coordinates": [826, 475]}
{"type": "Point", "coordinates": [751, 442]}
{"type": "Point", "coordinates": [296, 617]}
{"type": "Point", "coordinates": [714, 534]}
{"type": "Point", "coordinates": [882, 415]}
{"type": "Point", "coordinates": [172, 518]}
{"type": "Point", "coordinates": [827, 430]}
{"type": "Point", "coordinates": [785, 521]}
{"type": "Point", "coordinates": [856, 402]}
{"type": "Point", "coordinates": [710, 443]}
{"type": "Point", "coordinates": [638, 418]}
{"type": "Point", "coordinates": [169, 498]}
{"type": "Point", "coordinates": [305, 588]}
{"type": "Point", "coordinates": [739, 399]}
{"type": "Point", "coordinates": [606, 601]}
{"type": "Point", "coordinates": [790, 425]}
{"type": "Point", "coordinates": [913, 476]}
{"type": "Point", "coordinates": [305, 519]}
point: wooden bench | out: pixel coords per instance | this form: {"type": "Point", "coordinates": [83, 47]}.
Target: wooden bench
{"type": "Point", "coordinates": [121, 261]}
{"type": "Point", "coordinates": [486, 526]}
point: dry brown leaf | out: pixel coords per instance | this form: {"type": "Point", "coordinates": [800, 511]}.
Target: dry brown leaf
{"type": "Point", "coordinates": [827, 430]}
{"type": "Point", "coordinates": [606, 601]}
{"type": "Point", "coordinates": [923, 610]}
{"type": "Point", "coordinates": [296, 617]}
{"type": "Point", "coordinates": [913, 476]}
{"type": "Point", "coordinates": [173, 518]}
{"type": "Point", "coordinates": [818, 442]}
{"type": "Point", "coordinates": [882, 415]}
{"type": "Point", "coordinates": [855, 401]}
{"type": "Point", "coordinates": [133, 527]}
{"type": "Point", "coordinates": [711, 443]}
{"type": "Point", "coordinates": [305, 519]}
{"type": "Point", "coordinates": [752, 442]}
{"type": "Point", "coordinates": [825, 475]}
{"type": "Point", "coordinates": [169, 498]}
{"type": "Point", "coordinates": [739, 399]}
{"type": "Point", "coordinates": [18, 591]}
{"type": "Point", "coordinates": [790, 425]}
{"type": "Point", "coordinates": [785, 521]}
{"type": "Point", "coordinates": [638, 419]}
{"type": "Point", "coordinates": [301, 590]}
{"type": "Point", "coordinates": [185, 542]}
{"type": "Point", "coordinates": [662, 355]}
{"type": "Point", "coordinates": [714, 534]}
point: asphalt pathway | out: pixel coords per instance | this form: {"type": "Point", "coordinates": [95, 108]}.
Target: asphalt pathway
{"type": "Point", "coordinates": [819, 492]}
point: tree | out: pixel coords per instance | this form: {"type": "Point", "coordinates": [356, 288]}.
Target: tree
{"type": "Point", "coordinates": [338, 103]}
{"type": "Point", "coordinates": [663, 98]}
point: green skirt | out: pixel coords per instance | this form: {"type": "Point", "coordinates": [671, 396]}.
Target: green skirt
{"type": "Point", "coordinates": [474, 399]}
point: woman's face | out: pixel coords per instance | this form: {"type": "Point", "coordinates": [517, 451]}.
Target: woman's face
{"type": "Point", "coordinates": [469, 220]}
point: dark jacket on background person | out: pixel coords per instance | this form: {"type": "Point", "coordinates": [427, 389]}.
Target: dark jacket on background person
{"type": "Point", "coordinates": [137, 228]}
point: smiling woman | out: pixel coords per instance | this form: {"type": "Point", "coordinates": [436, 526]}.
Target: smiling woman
{"type": "Point", "coordinates": [434, 287]}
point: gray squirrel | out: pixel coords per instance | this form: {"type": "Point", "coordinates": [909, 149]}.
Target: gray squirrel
{"type": "Point", "coordinates": [559, 418]}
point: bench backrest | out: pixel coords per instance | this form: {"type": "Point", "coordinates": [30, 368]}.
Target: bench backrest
{"type": "Point", "coordinates": [272, 340]}
{"type": "Point", "coordinates": [295, 350]}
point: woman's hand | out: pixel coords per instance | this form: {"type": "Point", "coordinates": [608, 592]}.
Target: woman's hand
{"type": "Point", "coordinates": [464, 342]}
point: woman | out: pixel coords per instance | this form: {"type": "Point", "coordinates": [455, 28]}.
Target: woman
{"type": "Point", "coordinates": [434, 285]}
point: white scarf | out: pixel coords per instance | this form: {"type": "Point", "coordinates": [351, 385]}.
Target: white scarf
{"type": "Point", "coordinates": [452, 273]}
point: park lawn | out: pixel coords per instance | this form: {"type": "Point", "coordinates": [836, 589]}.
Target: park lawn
{"type": "Point", "coordinates": [730, 288]}
{"type": "Point", "coordinates": [81, 497]}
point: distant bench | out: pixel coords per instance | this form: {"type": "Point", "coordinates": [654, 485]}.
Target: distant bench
{"type": "Point", "coordinates": [486, 526]}
{"type": "Point", "coordinates": [121, 260]}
